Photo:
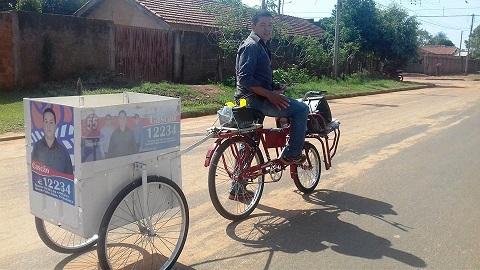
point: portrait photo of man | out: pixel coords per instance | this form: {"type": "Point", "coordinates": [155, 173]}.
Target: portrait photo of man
{"type": "Point", "coordinates": [48, 150]}
{"type": "Point", "coordinates": [122, 142]}
{"type": "Point", "coordinates": [105, 134]}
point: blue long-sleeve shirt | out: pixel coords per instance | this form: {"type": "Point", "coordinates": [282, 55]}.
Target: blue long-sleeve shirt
{"type": "Point", "coordinates": [253, 66]}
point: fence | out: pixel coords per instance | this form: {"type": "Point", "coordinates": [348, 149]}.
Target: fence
{"type": "Point", "coordinates": [443, 65]}
{"type": "Point", "coordinates": [144, 54]}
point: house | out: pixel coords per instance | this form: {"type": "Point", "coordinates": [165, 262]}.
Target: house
{"type": "Point", "coordinates": [195, 57]}
{"type": "Point", "coordinates": [441, 60]}
{"type": "Point", "coordinates": [185, 15]}
{"type": "Point", "coordinates": [437, 50]}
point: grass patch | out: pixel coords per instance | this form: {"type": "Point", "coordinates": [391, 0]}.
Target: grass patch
{"type": "Point", "coordinates": [11, 114]}
{"type": "Point", "coordinates": [194, 101]}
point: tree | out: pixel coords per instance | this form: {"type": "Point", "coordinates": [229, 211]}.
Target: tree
{"type": "Point", "coordinates": [232, 24]}
{"type": "Point", "coordinates": [369, 34]}
{"type": "Point", "coordinates": [399, 40]}
{"type": "Point", "coordinates": [360, 24]}
{"type": "Point", "coordinates": [6, 5]}
{"type": "Point", "coordinates": [423, 37]}
{"type": "Point", "coordinates": [441, 39]}
{"type": "Point", "coordinates": [474, 43]}
{"type": "Point", "coordinates": [29, 5]}
{"type": "Point", "coordinates": [65, 7]}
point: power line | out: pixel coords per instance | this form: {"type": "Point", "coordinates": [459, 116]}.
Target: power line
{"type": "Point", "coordinates": [442, 9]}
{"type": "Point", "coordinates": [441, 16]}
{"type": "Point", "coordinates": [442, 26]}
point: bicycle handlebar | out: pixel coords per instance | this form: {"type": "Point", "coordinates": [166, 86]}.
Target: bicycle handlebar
{"type": "Point", "coordinates": [313, 93]}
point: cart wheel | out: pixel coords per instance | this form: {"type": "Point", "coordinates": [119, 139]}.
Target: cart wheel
{"type": "Point", "coordinates": [125, 240]}
{"type": "Point", "coordinates": [308, 174]}
{"type": "Point", "coordinates": [61, 240]}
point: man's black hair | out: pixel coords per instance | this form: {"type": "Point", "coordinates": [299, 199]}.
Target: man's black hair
{"type": "Point", "coordinates": [260, 13]}
{"type": "Point", "coordinates": [49, 110]}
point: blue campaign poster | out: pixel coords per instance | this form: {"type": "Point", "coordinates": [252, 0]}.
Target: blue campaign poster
{"type": "Point", "coordinates": [111, 133]}
{"type": "Point", "coordinates": [52, 163]}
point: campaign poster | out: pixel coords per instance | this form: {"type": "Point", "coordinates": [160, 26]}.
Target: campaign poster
{"type": "Point", "coordinates": [52, 156]}
{"type": "Point", "coordinates": [111, 133]}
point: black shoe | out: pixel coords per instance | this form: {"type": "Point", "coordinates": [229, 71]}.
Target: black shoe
{"type": "Point", "coordinates": [297, 160]}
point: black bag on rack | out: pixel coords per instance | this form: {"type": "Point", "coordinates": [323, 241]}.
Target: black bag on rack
{"type": "Point", "coordinates": [324, 110]}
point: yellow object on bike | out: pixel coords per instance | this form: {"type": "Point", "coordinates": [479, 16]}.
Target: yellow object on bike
{"type": "Point", "coordinates": [230, 104]}
{"type": "Point", "coordinates": [243, 102]}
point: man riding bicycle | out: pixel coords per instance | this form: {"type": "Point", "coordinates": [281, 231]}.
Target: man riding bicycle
{"type": "Point", "coordinates": [255, 84]}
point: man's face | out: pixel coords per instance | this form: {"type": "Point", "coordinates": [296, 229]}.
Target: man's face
{"type": "Point", "coordinates": [263, 28]}
{"type": "Point", "coordinates": [108, 121]}
{"type": "Point", "coordinates": [122, 121]}
{"type": "Point", "coordinates": [49, 125]}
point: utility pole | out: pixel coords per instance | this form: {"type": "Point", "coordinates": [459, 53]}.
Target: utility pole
{"type": "Point", "coordinates": [264, 5]}
{"type": "Point", "coordinates": [461, 40]}
{"type": "Point", "coordinates": [469, 44]}
{"type": "Point", "coordinates": [337, 38]}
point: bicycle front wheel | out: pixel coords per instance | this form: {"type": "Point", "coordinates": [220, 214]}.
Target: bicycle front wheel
{"type": "Point", "coordinates": [126, 240]}
{"type": "Point", "coordinates": [307, 175]}
{"type": "Point", "coordinates": [61, 240]}
{"type": "Point", "coordinates": [233, 195]}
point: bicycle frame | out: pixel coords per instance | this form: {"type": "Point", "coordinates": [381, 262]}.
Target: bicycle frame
{"type": "Point", "coordinates": [258, 135]}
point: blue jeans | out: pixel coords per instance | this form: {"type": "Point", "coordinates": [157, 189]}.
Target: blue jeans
{"type": "Point", "coordinates": [297, 112]}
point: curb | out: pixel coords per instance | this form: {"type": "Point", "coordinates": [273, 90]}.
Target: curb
{"type": "Point", "coordinates": [214, 111]}
{"type": "Point", "coordinates": [426, 85]}
{"type": "Point", "coordinates": [11, 138]}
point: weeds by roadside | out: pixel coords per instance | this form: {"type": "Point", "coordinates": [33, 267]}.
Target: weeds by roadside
{"type": "Point", "coordinates": [196, 100]}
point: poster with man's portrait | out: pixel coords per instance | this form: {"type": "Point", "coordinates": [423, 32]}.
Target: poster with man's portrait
{"type": "Point", "coordinates": [111, 133]}
{"type": "Point", "coordinates": [52, 156]}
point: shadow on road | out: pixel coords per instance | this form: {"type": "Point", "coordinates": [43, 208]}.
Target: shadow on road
{"type": "Point", "coordinates": [294, 231]}
{"type": "Point", "coordinates": [88, 260]}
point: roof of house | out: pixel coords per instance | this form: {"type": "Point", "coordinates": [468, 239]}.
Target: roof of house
{"type": "Point", "coordinates": [439, 49]}
{"type": "Point", "coordinates": [194, 12]}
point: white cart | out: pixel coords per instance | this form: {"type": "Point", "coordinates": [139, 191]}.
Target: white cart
{"type": "Point", "coordinates": [106, 170]}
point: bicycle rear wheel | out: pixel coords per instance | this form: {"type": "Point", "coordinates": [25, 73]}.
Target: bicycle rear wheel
{"type": "Point", "coordinates": [308, 174]}
{"type": "Point", "coordinates": [233, 195]}
{"type": "Point", "coordinates": [60, 240]}
{"type": "Point", "coordinates": [125, 239]}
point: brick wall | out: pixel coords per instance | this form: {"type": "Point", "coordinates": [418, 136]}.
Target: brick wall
{"type": "Point", "coordinates": [7, 74]}
{"type": "Point", "coordinates": [55, 47]}
{"type": "Point", "coordinates": [35, 47]}
{"type": "Point", "coordinates": [199, 57]}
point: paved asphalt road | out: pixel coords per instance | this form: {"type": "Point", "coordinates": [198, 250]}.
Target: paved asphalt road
{"type": "Point", "coordinates": [403, 193]}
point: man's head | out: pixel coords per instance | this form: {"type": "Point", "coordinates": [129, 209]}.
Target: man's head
{"type": "Point", "coordinates": [49, 123]}
{"type": "Point", "coordinates": [108, 119]}
{"type": "Point", "coordinates": [137, 119]}
{"type": "Point", "coordinates": [262, 25]}
{"type": "Point", "coordinates": [122, 120]}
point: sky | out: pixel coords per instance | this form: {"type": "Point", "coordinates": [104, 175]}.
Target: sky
{"type": "Point", "coordinates": [455, 16]}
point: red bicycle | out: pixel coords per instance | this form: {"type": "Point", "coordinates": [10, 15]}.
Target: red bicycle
{"type": "Point", "coordinates": [237, 165]}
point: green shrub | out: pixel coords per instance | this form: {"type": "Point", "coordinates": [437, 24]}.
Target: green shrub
{"type": "Point", "coordinates": [30, 5]}
{"type": "Point", "coordinates": [291, 75]}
